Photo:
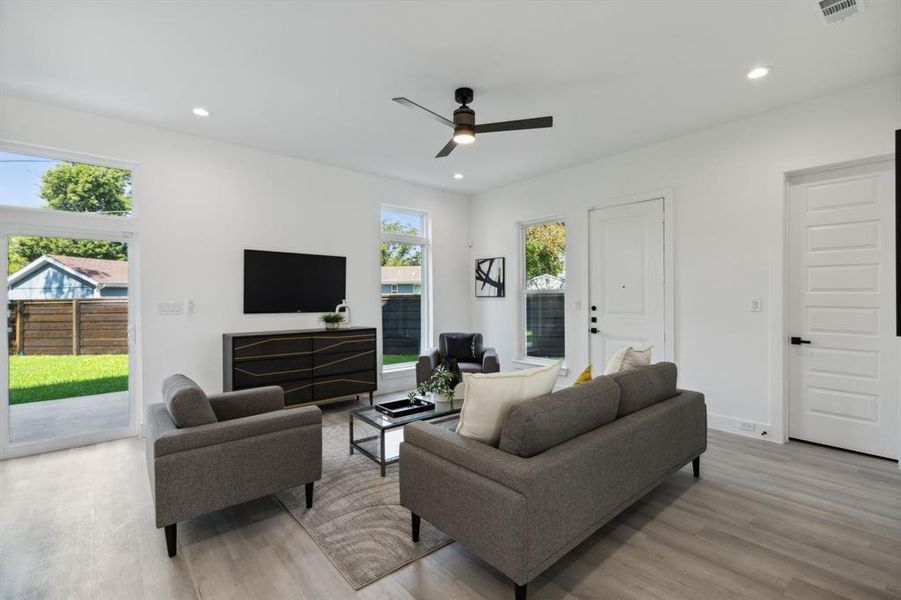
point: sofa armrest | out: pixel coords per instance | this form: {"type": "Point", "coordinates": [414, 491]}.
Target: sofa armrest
{"type": "Point", "coordinates": [246, 403]}
{"type": "Point", "coordinates": [490, 362]}
{"type": "Point", "coordinates": [507, 469]}
{"type": "Point", "coordinates": [426, 364]}
{"type": "Point", "coordinates": [180, 440]}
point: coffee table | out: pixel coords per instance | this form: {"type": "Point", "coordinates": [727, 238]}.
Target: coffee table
{"type": "Point", "coordinates": [373, 447]}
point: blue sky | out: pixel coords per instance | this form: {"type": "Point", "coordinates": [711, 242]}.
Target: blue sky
{"type": "Point", "coordinates": [403, 218]}
{"type": "Point", "coordinates": [20, 179]}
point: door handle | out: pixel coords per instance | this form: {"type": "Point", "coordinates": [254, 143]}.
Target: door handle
{"type": "Point", "coordinates": [797, 341]}
{"type": "Point", "coordinates": [594, 330]}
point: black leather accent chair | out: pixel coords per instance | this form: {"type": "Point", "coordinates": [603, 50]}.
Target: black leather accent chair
{"type": "Point", "coordinates": [466, 348]}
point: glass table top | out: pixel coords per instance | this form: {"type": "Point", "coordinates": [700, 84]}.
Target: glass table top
{"type": "Point", "coordinates": [382, 421]}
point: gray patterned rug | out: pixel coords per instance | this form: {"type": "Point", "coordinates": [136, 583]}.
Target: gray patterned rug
{"type": "Point", "coordinates": [356, 517]}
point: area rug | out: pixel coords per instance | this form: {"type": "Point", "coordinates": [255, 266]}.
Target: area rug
{"type": "Point", "coordinates": [356, 517]}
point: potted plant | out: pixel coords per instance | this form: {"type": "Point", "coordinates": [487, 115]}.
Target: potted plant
{"type": "Point", "coordinates": [332, 320]}
{"type": "Point", "coordinates": [439, 384]}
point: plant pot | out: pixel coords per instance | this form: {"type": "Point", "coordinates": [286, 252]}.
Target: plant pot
{"type": "Point", "coordinates": [332, 325]}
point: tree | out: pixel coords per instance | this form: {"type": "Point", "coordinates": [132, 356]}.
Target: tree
{"type": "Point", "coordinates": [77, 187]}
{"type": "Point", "coordinates": [399, 254]}
{"type": "Point", "coordinates": [545, 249]}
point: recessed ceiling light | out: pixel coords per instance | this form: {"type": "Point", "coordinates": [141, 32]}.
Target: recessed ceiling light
{"type": "Point", "coordinates": [201, 111]}
{"type": "Point", "coordinates": [758, 72]}
{"type": "Point", "coordinates": [458, 175]}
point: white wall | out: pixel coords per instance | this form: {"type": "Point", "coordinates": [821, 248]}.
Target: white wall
{"type": "Point", "coordinates": [728, 185]}
{"type": "Point", "coordinates": [199, 203]}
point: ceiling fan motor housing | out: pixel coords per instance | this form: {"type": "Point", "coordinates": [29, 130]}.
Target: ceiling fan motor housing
{"type": "Point", "coordinates": [463, 95]}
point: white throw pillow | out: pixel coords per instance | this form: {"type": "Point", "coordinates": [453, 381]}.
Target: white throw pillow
{"type": "Point", "coordinates": [490, 396]}
{"type": "Point", "coordinates": [628, 358]}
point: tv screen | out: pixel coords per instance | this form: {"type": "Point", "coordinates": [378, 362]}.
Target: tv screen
{"type": "Point", "coordinates": [281, 282]}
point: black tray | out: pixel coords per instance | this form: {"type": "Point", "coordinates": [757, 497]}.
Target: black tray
{"type": "Point", "coordinates": [402, 408]}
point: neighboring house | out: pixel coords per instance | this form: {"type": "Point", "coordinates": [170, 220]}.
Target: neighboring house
{"type": "Point", "coordinates": [401, 280]}
{"type": "Point", "coordinates": [53, 277]}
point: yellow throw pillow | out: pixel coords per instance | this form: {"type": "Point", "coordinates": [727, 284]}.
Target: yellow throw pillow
{"type": "Point", "coordinates": [584, 376]}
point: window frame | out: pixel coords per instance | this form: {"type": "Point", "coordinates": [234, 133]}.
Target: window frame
{"type": "Point", "coordinates": [424, 241]}
{"type": "Point", "coordinates": [524, 359]}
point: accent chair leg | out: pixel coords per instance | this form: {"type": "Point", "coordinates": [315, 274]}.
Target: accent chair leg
{"type": "Point", "coordinates": [416, 522]}
{"type": "Point", "coordinates": [370, 398]}
{"type": "Point", "coordinates": [696, 466]}
{"type": "Point", "coordinates": [308, 488]}
{"type": "Point", "coordinates": [521, 591]}
{"type": "Point", "coordinates": [170, 539]}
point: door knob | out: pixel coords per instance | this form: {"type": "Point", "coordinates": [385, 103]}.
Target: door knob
{"type": "Point", "coordinates": [797, 341]}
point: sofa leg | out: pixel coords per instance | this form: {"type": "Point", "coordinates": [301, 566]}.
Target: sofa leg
{"type": "Point", "coordinates": [696, 466]}
{"type": "Point", "coordinates": [416, 522]}
{"type": "Point", "coordinates": [308, 488]}
{"type": "Point", "coordinates": [520, 591]}
{"type": "Point", "coordinates": [170, 539]}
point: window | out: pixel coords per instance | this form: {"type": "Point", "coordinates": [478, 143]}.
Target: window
{"type": "Point", "coordinates": [31, 181]}
{"type": "Point", "coordinates": [544, 289]}
{"type": "Point", "coordinates": [404, 265]}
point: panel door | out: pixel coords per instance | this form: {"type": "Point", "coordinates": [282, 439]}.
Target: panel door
{"type": "Point", "coordinates": [843, 366]}
{"type": "Point", "coordinates": [626, 266]}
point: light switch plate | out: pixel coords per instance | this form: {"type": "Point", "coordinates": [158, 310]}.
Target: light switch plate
{"type": "Point", "coordinates": [171, 307]}
{"type": "Point", "coordinates": [755, 304]}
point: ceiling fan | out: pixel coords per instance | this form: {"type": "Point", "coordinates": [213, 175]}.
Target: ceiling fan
{"type": "Point", "coordinates": [464, 123]}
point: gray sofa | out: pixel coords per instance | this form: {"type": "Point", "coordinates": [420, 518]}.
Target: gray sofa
{"type": "Point", "coordinates": [205, 453]}
{"type": "Point", "coordinates": [566, 464]}
{"type": "Point", "coordinates": [483, 360]}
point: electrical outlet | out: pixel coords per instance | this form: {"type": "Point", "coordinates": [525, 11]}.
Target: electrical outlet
{"type": "Point", "coordinates": [746, 426]}
{"type": "Point", "coordinates": [755, 304]}
{"type": "Point", "coordinates": [173, 307]}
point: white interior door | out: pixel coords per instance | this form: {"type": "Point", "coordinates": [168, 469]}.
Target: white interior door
{"type": "Point", "coordinates": [843, 358]}
{"type": "Point", "coordinates": [627, 303]}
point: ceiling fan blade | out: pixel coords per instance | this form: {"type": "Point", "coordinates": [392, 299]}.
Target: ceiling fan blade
{"type": "Point", "coordinates": [447, 149]}
{"type": "Point", "coordinates": [410, 104]}
{"type": "Point", "coordinates": [536, 123]}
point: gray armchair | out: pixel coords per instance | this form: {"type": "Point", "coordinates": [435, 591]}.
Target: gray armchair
{"type": "Point", "coordinates": [466, 348]}
{"type": "Point", "coordinates": [208, 453]}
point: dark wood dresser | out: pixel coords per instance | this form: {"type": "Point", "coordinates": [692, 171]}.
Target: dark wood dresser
{"type": "Point", "coordinates": [312, 365]}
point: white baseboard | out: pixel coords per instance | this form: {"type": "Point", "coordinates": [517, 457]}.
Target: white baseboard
{"type": "Point", "coordinates": [762, 431]}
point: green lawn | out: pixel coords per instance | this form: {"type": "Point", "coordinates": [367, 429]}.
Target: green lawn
{"type": "Point", "coordinates": [37, 378]}
{"type": "Point", "coordinates": [393, 359]}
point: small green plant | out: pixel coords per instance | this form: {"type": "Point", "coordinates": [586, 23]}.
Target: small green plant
{"type": "Point", "coordinates": [333, 318]}
{"type": "Point", "coordinates": [439, 383]}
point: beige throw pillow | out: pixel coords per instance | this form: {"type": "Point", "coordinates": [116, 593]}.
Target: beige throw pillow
{"type": "Point", "coordinates": [490, 396]}
{"type": "Point", "coordinates": [628, 358]}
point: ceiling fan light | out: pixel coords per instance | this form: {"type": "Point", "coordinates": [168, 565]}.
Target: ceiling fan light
{"type": "Point", "coordinates": [464, 136]}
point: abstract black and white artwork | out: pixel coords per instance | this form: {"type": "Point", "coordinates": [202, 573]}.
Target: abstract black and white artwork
{"type": "Point", "coordinates": [490, 277]}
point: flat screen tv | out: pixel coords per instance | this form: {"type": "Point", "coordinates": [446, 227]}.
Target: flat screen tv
{"type": "Point", "coordinates": [283, 282]}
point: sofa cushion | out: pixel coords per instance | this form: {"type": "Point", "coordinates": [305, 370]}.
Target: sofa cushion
{"type": "Point", "coordinates": [187, 404]}
{"type": "Point", "coordinates": [489, 398]}
{"type": "Point", "coordinates": [644, 386]}
{"type": "Point", "coordinates": [542, 423]}
{"type": "Point", "coordinates": [465, 347]}
{"type": "Point", "coordinates": [469, 367]}
{"type": "Point", "coordinates": [628, 358]}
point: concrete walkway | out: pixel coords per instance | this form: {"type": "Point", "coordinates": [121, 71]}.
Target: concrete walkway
{"type": "Point", "coordinates": [67, 417]}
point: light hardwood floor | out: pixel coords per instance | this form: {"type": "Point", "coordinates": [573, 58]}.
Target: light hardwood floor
{"type": "Point", "coordinates": [764, 521]}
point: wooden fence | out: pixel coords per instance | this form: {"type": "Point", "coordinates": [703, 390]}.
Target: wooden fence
{"type": "Point", "coordinates": [88, 326]}
{"type": "Point", "coordinates": [545, 319]}
{"type": "Point", "coordinates": [401, 323]}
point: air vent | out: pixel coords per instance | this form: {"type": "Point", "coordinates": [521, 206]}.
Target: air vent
{"type": "Point", "coordinates": [834, 11]}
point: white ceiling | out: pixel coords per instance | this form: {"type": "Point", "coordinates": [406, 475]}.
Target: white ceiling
{"type": "Point", "coordinates": [315, 80]}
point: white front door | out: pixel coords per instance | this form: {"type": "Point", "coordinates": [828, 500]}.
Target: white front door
{"type": "Point", "coordinates": [626, 262]}
{"type": "Point", "coordinates": [843, 355]}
